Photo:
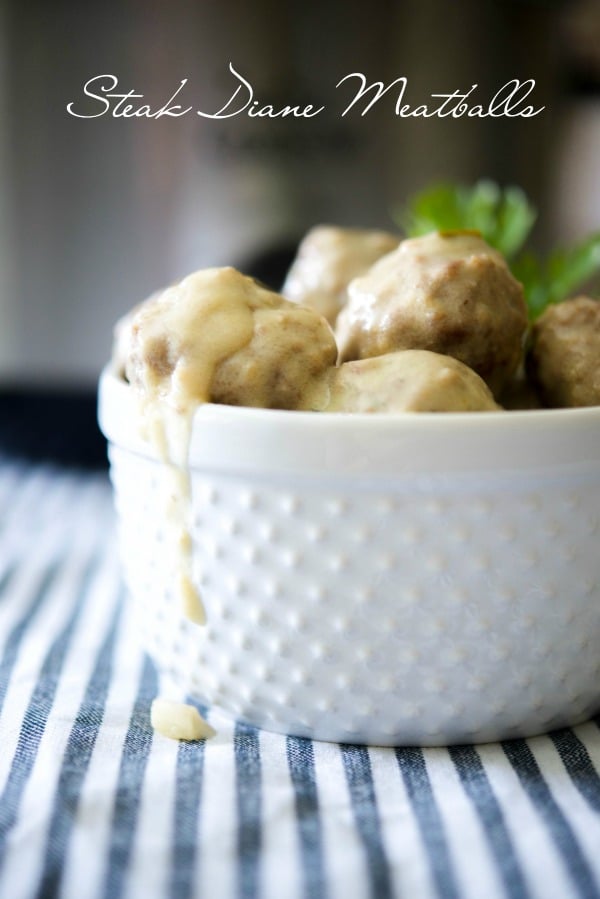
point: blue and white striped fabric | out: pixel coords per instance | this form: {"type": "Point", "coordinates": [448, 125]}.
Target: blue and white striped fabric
{"type": "Point", "coordinates": [92, 804]}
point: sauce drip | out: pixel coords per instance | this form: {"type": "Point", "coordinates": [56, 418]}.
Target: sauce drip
{"type": "Point", "coordinates": [179, 338]}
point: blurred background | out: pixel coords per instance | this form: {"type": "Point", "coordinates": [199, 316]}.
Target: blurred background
{"type": "Point", "coordinates": [95, 214]}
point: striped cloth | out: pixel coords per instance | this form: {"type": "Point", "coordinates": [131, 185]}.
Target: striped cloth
{"type": "Point", "coordinates": [92, 804]}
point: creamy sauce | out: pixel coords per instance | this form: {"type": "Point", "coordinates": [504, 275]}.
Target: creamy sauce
{"type": "Point", "coordinates": [179, 721]}
{"type": "Point", "coordinates": [177, 341]}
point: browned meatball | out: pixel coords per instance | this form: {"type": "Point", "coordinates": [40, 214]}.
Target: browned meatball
{"type": "Point", "coordinates": [407, 381]}
{"type": "Point", "coordinates": [291, 346]}
{"type": "Point", "coordinates": [564, 360]}
{"type": "Point", "coordinates": [446, 292]}
{"type": "Point", "coordinates": [220, 336]}
{"type": "Point", "coordinates": [328, 259]}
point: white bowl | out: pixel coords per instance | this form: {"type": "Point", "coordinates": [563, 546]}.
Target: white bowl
{"type": "Point", "coordinates": [407, 579]}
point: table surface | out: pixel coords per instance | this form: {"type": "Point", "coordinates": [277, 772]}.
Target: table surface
{"type": "Point", "coordinates": [93, 804]}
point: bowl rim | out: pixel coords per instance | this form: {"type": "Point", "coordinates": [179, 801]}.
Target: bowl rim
{"type": "Point", "coordinates": [226, 437]}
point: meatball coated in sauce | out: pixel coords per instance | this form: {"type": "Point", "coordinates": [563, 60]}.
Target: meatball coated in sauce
{"type": "Point", "coordinates": [564, 359]}
{"type": "Point", "coordinates": [328, 259]}
{"type": "Point", "coordinates": [218, 336]}
{"type": "Point", "coordinates": [446, 292]}
{"type": "Point", "coordinates": [408, 381]}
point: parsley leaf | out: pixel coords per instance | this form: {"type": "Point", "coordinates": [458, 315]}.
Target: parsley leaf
{"type": "Point", "coordinates": [504, 218]}
{"type": "Point", "coordinates": [559, 276]}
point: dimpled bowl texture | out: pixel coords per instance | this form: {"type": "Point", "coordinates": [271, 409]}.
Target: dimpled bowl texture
{"type": "Point", "coordinates": [389, 580]}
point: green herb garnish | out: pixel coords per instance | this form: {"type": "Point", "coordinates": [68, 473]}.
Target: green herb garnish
{"type": "Point", "coordinates": [559, 275]}
{"type": "Point", "coordinates": [504, 218]}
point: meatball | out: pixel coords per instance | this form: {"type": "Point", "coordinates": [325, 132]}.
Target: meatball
{"type": "Point", "coordinates": [407, 381]}
{"type": "Point", "coordinates": [328, 259]}
{"type": "Point", "coordinates": [219, 336]}
{"type": "Point", "coordinates": [448, 292]}
{"type": "Point", "coordinates": [564, 359]}
{"type": "Point", "coordinates": [290, 347]}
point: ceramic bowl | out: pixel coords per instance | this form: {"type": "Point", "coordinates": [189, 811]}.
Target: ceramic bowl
{"type": "Point", "coordinates": [391, 580]}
